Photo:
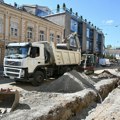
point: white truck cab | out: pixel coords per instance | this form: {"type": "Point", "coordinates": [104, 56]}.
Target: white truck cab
{"type": "Point", "coordinates": [22, 58]}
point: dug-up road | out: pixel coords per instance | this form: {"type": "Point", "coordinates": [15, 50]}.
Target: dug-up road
{"type": "Point", "coordinates": [68, 99]}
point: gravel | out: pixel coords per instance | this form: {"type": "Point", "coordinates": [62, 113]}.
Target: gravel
{"type": "Point", "coordinates": [70, 82]}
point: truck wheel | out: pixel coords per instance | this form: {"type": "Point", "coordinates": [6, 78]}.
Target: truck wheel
{"type": "Point", "coordinates": [38, 78]}
{"type": "Point", "coordinates": [17, 82]}
{"type": "Point", "coordinates": [68, 69]}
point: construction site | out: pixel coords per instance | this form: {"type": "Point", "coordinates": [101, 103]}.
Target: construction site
{"type": "Point", "coordinates": [72, 96]}
{"type": "Point", "coordinates": [54, 65]}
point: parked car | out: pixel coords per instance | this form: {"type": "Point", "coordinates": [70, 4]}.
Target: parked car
{"type": "Point", "coordinates": [104, 62]}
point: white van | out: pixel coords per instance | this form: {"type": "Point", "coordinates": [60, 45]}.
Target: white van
{"type": "Point", "coordinates": [104, 62]}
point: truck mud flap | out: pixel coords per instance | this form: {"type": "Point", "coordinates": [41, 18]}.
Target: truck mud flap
{"type": "Point", "coordinates": [9, 100]}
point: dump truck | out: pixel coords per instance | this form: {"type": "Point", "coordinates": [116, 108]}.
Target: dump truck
{"type": "Point", "coordinates": [36, 61]}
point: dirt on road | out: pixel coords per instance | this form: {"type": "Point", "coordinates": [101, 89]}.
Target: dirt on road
{"type": "Point", "coordinates": [40, 103]}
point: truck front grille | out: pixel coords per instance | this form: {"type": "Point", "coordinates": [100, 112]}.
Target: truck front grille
{"type": "Point", "coordinates": [13, 75]}
{"type": "Point", "coordinates": [13, 63]}
{"type": "Point", "coordinates": [12, 72]}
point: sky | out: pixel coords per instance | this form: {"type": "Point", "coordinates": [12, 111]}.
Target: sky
{"type": "Point", "coordinates": [103, 14]}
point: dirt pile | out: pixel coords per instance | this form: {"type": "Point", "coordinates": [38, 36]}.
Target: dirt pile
{"type": "Point", "coordinates": [109, 109]}
{"type": "Point", "coordinates": [70, 82]}
{"type": "Point", "coordinates": [106, 74]}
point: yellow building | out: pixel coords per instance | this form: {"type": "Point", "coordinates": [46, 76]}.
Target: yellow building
{"type": "Point", "coordinates": [17, 25]}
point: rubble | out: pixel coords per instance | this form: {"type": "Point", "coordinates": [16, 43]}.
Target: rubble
{"type": "Point", "coordinates": [109, 109]}
{"type": "Point", "coordinates": [41, 103]}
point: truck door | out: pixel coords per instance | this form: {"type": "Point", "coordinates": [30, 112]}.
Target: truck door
{"type": "Point", "coordinates": [36, 58]}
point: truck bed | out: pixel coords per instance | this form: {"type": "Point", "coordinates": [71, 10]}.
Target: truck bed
{"type": "Point", "coordinates": [66, 57]}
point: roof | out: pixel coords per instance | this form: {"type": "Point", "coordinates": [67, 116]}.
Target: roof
{"type": "Point", "coordinates": [37, 6]}
{"type": "Point", "coordinates": [21, 10]}
{"type": "Point", "coordinates": [18, 44]}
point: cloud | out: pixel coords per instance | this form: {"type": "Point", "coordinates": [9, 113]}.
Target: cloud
{"type": "Point", "coordinates": [109, 22]}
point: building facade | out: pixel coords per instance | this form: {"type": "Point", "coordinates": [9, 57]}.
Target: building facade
{"type": "Point", "coordinates": [112, 52]}
{"type": "Point", "coordinates": [17, 25]}
{"type": "Point", "coordinates": [91, 38]}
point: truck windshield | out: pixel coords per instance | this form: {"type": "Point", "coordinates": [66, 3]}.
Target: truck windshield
{"type": "Point", "coordinates": [17, 52]}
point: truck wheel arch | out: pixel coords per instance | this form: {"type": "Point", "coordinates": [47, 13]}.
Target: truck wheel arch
{"type": "Point", "coordinates": [38, 78]}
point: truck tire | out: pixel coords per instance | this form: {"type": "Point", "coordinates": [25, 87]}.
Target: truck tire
{"type": "Point", "coordinates": [68, 69]}
{"type": "Point", "coordinates": [38, 78]}
{"type": "Point", "coordinates": [17, 82]}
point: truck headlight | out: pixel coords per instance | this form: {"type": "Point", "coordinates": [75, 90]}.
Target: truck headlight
{"type": "Point", "coordinates": [22, 73]}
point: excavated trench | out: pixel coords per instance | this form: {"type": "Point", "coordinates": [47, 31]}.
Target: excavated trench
{"type": "Point", "coordinates": [84, 100]}
{"type": "Point", "coordinates": [67, 97]}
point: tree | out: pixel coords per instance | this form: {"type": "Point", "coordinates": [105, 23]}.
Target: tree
{"type": "Point", "coordinates": [76, 13]}
{"type": "Point", "coordinates": [64, 6]}
{"type": "Point", "coordinates": [89, 23]}
{"type": "Point", "coordinates": [81, 17]}
{"type": "Point", "coordinates": [58, 8]}
{"type": "Point", "coordinates": [109, 46]}
{"type": "Point", "coordinates": [71, 10]}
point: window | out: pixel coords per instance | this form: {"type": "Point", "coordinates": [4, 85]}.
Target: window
{"type": "Point", "coordinates": [20, 51]}
{"type": "Point", "coordinates": [88, 32]}
{"type": "Point", "coordinates": [42, 36]}
{"type": "Point", "coordinates": [58, 39]}
{"type": "Point", "coordinates": [41, 12]}
{"type": "Point", "coordinates": [14, 29]}
{"type": "Point", "coordinates": [96, 36]}
{"type": "Point", "coordinates": [29, 32]}
{"type": "Point", "coordinates": [97, 48]}
{"type": "Point", "coordinates": [51, 37]}
{"type": "Point", "coordinates": [72, 42]}
{"type": "Point", "coordinates": [87, 44]}
{"type": "Point", "coordinates": [34, 52]}
{"type": "Point", "coordinates": [74, 25]}
{"type": "Point", "coordinates": [1, 25]}
{"type": "Point", "coordinates": [91, 45]}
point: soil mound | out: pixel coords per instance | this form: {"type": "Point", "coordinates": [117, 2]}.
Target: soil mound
{"type": "Point", "coordinates": [70, 82]}
{"type": "Point", "coordinates": [105, 74]}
